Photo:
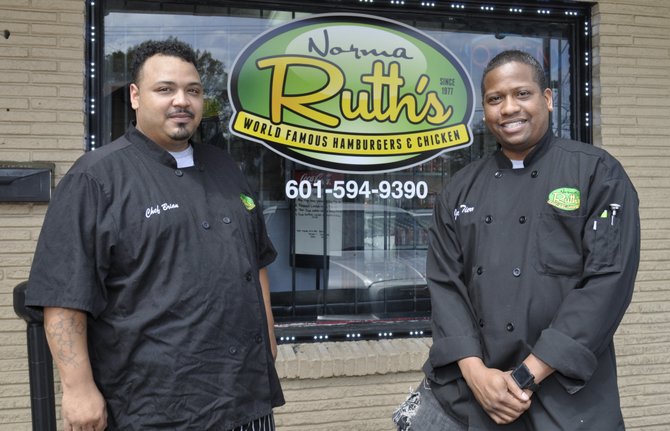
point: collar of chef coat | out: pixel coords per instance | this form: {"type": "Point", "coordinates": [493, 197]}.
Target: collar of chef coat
{"type": "Point", "coordinates": [155, 151]}
{"type": "Point", "coordinates": [535, 154]}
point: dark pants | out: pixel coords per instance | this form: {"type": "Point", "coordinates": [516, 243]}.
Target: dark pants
{"type": "Point", "coordinates": [422, 412]}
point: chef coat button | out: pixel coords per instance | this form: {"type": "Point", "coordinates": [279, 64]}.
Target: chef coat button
{"type": "Point", "coordinates": [498, 174]}
{"type": "Point", "coordinates": [201, 167]}
{"type": "Point", "coordinates": [232, 350]}
{"type": "Point", "coordinates": [205, 225]}
{"type": "Point", "coordinates": [481, 323]}
{"type": "Point", "coordinates": [510, 327]}
{"type": "Point", "coordinates": [178, 172]}
{"type": "Point", "coordinates": [488, 219]}
{"type": "Point", "coordinates": [516, 272]}
{"type": "Point", "coordinates": [248, 276]}
{"type": "Point", "coordinates": [258, 339]}
{"type": "Point", "coordinates": [480, 270]}
{"type": "Point", "coordinates": [533, 174]}
{"type": "Point", "coordinates": [226, 220]}
{"type": "Point", "coordinates": [522, 219]}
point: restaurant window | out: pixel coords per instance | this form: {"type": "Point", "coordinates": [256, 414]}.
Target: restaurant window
{"type": "Point", "coordinates": [351, 266]}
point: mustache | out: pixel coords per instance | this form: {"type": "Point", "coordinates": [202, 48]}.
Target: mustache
{"type": "Point", "coordinates": [180, 111]}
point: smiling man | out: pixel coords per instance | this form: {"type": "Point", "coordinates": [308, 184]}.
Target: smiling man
{"type": "Point", "coordinates": [151, 271]}
{"type": "Point", "coordinates": [516, 106]}
{"type": "Point", "coordinates": [167, 97]}
{"type": "Point", "coordinates": [527, 288]}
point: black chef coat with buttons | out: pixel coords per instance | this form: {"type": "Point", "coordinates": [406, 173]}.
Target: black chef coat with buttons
{"type": "Point", "coordinates": [531, 260]}
{"type": "Point", "coordinates": [166, 262]}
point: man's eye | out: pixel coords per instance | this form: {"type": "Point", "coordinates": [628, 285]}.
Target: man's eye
{"type": "Point", "coordinates": [194, 91]}
{"type": "Point", "coordinates": [494, 99]}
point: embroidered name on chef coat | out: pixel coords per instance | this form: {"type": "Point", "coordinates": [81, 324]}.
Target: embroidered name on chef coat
{"type": "Point", "coordinates": [462, 209]}
{"type": "Point", "coordinates": [157, 209]}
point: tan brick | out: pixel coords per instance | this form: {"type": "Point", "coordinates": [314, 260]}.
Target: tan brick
{"type": "Point", "coordinates": [13, 52]}
{"type": "Point", "coordinates": [72, 91]}
{"type": "Point", "coordinates": [26, 15]}
{"type": "Point", "coordinates": [32, 65]}
{"type": "Point", "coordinates": [31, 40]}
{"type": "Point", "coordinates": [14, 129]}
{"type": "Point", "coordinates": [71, 18]}
{"type": "Point", "coordinates": [27, 91]}
{"type": "Point", "coordinates": [57, 129]}
{"type": "Point", "coordinates": [60, 5]}
{"type": "Point", "coordinates": [76, 41]}
{"type": "Point", "coordinates": [16, 420]}
{"type": "Point", "coordinates": [17, 4]}
{"type": "Point", "coordinates": [56, 104]}
{"type": "Point", "coordinates": [60, 53]}
{"type": "Point", "coordinates": [652, 21]}
{"type": "Point", "coordinates": [14, 103]}
{"type": "Point", "coordinates": [57, 29]}
{"type": "Point", "coordinates": [26, 116]}
{"type": "Point", "coordinates": [57, 78]}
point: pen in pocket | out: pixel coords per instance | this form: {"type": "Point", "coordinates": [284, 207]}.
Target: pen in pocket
{"type": "Point", "coordinates": [614, 208]}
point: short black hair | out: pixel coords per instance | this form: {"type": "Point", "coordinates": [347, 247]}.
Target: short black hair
{"type": "Point", "coordinates": [171, 47]}
{"type": "Point", "coordinates": [519, 57]}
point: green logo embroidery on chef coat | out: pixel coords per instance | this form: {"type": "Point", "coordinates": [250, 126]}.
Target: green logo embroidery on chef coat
{"type": "Point", "coordinates": [564, 198]}
{"type": "Point", "coordinates": [247, 201]}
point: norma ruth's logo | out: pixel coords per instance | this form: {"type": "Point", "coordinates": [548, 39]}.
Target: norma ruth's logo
{"type": "Point", "coordinates": [565, 198]}
{"type": "Point", "coordinates": [351, 93]}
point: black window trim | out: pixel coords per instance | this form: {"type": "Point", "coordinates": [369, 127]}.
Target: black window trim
{"type": "Point", "coordinates": [578, 14]}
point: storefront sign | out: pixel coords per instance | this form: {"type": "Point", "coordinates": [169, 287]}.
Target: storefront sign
{"type": "Point", "coordinates": [351, 93]}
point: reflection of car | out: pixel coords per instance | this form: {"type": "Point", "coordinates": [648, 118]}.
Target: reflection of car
{"type": "Point", "coordinates": [378, 272]}
{"type": "Point", "coordinates": [386, 281]}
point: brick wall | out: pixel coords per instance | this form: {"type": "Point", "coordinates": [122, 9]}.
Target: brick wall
{"type": "Point", "coordinates": [41, 119]}
{"type": "Point", "coordinates": [347, 385]}
{"type": "Point", "coordinates": [632, 87]}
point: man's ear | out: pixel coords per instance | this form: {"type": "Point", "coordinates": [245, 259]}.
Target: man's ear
{"type": "Point", "coordinates": [134, 96]}
{"type": "Point", "coordinates": [549, 98]}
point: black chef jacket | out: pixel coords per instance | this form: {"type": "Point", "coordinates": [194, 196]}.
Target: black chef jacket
{"type": "Point", "coordinates": [532, 260]}
{"type": "Point", "coordinates": [166, 262]}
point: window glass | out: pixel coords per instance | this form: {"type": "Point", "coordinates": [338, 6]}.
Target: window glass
{"type": "Point", "coordinates": [361, 256]}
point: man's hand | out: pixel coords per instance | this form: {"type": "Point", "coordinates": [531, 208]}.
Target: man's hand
{"type": "Point", "coordinates": [495, 390]}
{"type": "Point", "coordinates": [84, 409]}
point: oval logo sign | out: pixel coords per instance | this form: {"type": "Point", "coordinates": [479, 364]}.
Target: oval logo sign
{"type": "Point", "coordinates": [351, 93]}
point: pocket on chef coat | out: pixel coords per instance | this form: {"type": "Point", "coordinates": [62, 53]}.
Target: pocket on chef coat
{"type": "Point", "coordinates": [603, 238]}
{"type": "Point", "coordinates": [558, 244]}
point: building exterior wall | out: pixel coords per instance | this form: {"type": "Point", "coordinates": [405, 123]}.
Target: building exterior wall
{"type": "Point", "coordinates": [41, 119]}
{"type": "Point", "coordinates": [353, 385]}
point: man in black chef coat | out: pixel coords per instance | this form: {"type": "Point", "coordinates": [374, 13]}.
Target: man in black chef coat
{"type": "Point", "coordinates": [151, 271]}
{"type": "Point", "coordinates": [531, 265]}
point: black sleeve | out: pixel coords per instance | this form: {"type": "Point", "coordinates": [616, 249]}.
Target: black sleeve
{"type": "Point", "coordinates": [455, 333]}
{"type": "Point", "coordinates": [73, 250]}
{"type": "Point", "coordinates": [589, 315]}
{"type": "Point", "coordinates": [266, 251]}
